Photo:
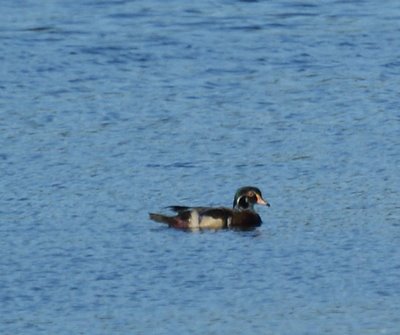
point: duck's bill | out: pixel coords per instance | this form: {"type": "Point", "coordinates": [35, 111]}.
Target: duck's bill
{"type": "Point", "coordinates": [261, 201]}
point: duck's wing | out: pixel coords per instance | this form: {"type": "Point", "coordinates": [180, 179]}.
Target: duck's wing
{"type": "Point", "coordinates": [181, 209]}
{"type": "Point", "coordinates": [215, 212]}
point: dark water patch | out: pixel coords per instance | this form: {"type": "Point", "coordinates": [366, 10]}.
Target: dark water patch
{"type": "Point", "coordinates": [247, 28]}
{"type": "Point", "coordinates": [41, 29]}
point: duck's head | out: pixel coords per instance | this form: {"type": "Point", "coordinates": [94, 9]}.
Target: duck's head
{"type": "Point", "coordinates": [246, 197]}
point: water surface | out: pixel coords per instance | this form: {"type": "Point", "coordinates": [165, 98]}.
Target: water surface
{"type": "Point", "coordinates": [112, 109]}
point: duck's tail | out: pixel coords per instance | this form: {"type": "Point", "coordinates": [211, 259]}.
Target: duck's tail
{"type": "Point", "coordinates": [172, 221]}
{"type": "Point", "coordinates": [162, 218]}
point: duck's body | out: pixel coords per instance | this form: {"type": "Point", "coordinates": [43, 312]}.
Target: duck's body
{"type": "Point", "coordinates": [241, 216]}
{"type": "Point", "coordinates": [209, 218]}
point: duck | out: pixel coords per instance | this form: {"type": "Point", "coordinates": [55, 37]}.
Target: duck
{"type": "Point", "coordinates": [241, 216]}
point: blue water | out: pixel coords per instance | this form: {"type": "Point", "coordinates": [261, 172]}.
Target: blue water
{"type": "Point", "coordinates": [111, 109]}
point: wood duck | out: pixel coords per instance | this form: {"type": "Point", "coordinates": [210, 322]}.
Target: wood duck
{"type": "Point", "coordinates": [241, 216]}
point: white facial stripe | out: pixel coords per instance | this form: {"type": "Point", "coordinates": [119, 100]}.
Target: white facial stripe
{"type": "Point", "coordinates": [240, 198]}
